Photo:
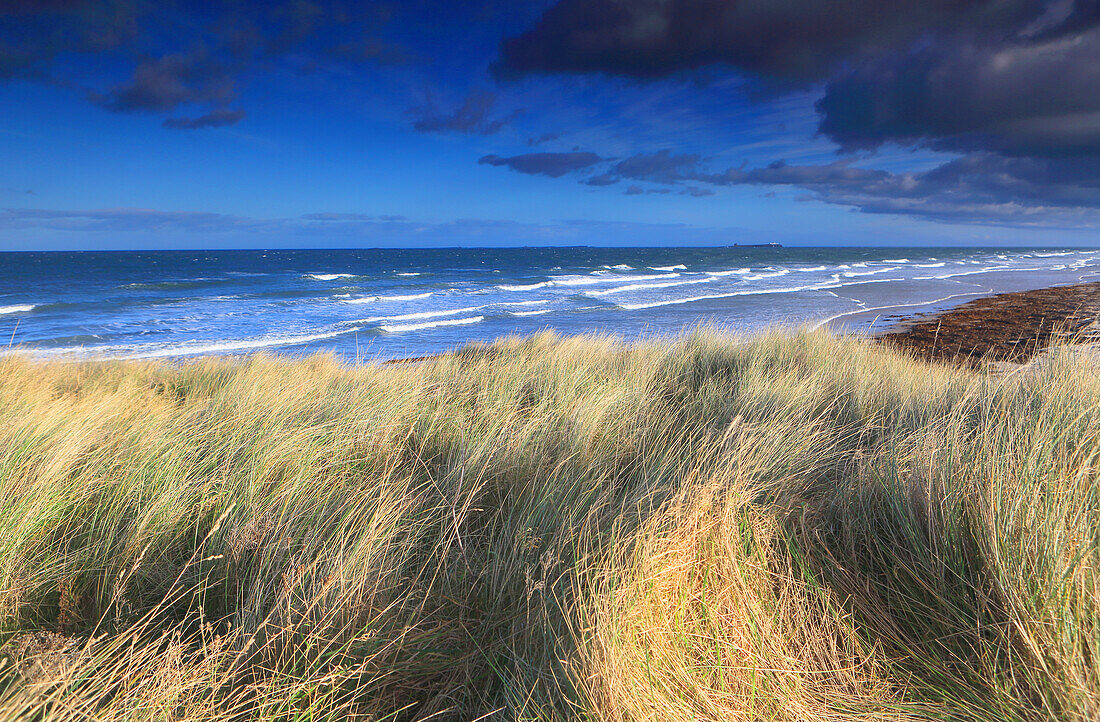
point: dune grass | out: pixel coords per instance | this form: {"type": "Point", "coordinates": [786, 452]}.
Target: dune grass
{"type": "Point", "coordinates": [788, 527]}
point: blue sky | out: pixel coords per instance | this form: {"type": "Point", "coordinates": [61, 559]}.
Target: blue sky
{"type": "Point", "coordinates": [319, 124]}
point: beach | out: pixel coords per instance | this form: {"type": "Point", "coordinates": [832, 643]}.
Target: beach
{"type": "Point", "coordinates": [1009, 327]}
{"type": "Point", "coordinates": [792, 524]}
{"type": "Point", "coordinates": [377, 305]}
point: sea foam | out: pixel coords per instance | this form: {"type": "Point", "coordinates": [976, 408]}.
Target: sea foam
{"type": "Point", "coordinates": [399, 328]}
{"type": "Point", "coordinates": [418, 316]}
{"type": "Point", "coordinates": [647, 286]}
{"type": "Point", "coordinates": [21, 308]}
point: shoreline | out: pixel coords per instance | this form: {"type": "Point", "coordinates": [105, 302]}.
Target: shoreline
{"type": "Point", "coordinates": [1008, 327]}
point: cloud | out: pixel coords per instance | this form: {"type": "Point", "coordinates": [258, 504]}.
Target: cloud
{"type": "Point", "coordinates": [150, 228]}
{"type": "Point", "coordinates": [214, 119]}
{"type": "Point", "coordinates": [1011, 85]}
{"type": "Point", "coordinates": [639, 190]}
{"type": "Point", "coordinates": [544, 138]}
{"type": "Point", "coordinates": [126, 219]}
{"type": "Point", "coordinates": [663, 166]}
{"type": "Point", "coordinates": [147, 60]}
{"type": "Point", "coordinates": [800, 40]}
{"type": "Point", "coordinates": [351, 217]}
{"type": "Point", "coordinates": [473, 116]}
{"type": "Point", "coordinates": [1017, 77]}
{"type": "Point", "coordinates": [1025, 97]}
{"type": "Point", "coordinates": [554, 165]}
{"type": "Point", "coordinates": [162, 84]}
{"type": "Point", "coordinates": [982, 188]}
{"type": "Point", "coordinates": [603, 179]}
{"type": "Point", "coordinates": [978, 188]}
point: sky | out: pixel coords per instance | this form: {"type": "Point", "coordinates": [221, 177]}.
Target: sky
{"type": "Point", "coordinates": [308, 123]}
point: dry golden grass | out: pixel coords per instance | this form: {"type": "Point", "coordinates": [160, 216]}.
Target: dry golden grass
{"type": "Point", "coordinates": [788, 527]}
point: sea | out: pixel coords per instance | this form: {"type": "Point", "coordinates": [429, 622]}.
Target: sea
{"type": "Point", "coordinates": [383, 304]}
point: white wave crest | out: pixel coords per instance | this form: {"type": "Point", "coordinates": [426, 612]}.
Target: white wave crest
{"type": "Point", "coordinates": [589, 281]}
{"type": "Point", "coordinates": [990, 269]}
{"type": "Point", "coordinates": [530, 313]}
{"type": "Point", "coordinates": [409, 297]}
{"type": "Point", "coordinates": [750, 292]}
{"type": "Point", "coordinates": [21, 308]}
{"type": "Point", "coordinates": [431, 324]}
{"type": "Point", "coordinates": [417, 316]}
{"type": "Point", "coordinates": [863, 310]}
{"type": "Point", "coordinates": [569, 281]}
{"type": "Point", "coordinates": [194, 349]}
{"type": "Point", "coordinates": [854, 274]}
{"type": "Point", "coordinates": [329, 276]}
{"type": "Point", "coordinates": [528, 287]}
{"type": "Point", "coordinates": [647, 286]}
{"type": "Point", "coordinates": [775, 274]}
{"type": "Point", "coordinates": [409, 274]}
{"type": "Point", "coordinates": [680, 267]}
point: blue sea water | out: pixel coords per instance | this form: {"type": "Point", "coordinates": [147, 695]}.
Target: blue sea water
{"type": "Point", "coordinates": [383, 304]}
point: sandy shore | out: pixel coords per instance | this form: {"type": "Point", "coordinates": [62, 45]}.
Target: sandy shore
{"type": "Point", "coordinates": [1007, 327]}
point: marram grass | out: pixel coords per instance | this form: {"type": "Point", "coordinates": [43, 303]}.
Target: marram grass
{"type": "Point", "coordinates": [787, 527]}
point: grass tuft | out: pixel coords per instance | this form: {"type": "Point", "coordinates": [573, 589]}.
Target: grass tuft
{"type": "Point", "coordinates": [784, 527]}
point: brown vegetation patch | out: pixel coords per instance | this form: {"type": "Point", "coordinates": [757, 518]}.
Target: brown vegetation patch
{"type": "Point", "coordinates": [1006, 327]}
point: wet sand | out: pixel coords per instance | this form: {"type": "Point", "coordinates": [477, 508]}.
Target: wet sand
{"type": "Point", "coordinates": [1008, 327]}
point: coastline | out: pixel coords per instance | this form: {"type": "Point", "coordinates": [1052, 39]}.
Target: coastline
{"type": "Point", "coordinates": [1007, 327]}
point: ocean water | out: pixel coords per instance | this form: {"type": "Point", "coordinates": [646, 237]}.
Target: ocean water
{"type": "Point", "coordinates": [383, 304]}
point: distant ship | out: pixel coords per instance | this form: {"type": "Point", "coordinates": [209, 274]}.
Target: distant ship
{"type": "Point", "coordinates": [756, 245]}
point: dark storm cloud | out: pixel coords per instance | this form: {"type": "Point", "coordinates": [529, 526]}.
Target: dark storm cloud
{"type": "Point", "coordinates": [1028, 97]}
{"type": "Point", "coordinates": [1012, 76]}
{"type": "Point", "coordinates": [213, 119]}
{"type": "Point", "coordinates": [794, 39]}
{"type": "Point", "coordinates": [474, 116]}
{"type": "Point", "coordinates": [1011, 84]}
{"type": "Point", "coordinates": [179, 54]}
{"type": "Point", "coordinates": [554, 165]}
